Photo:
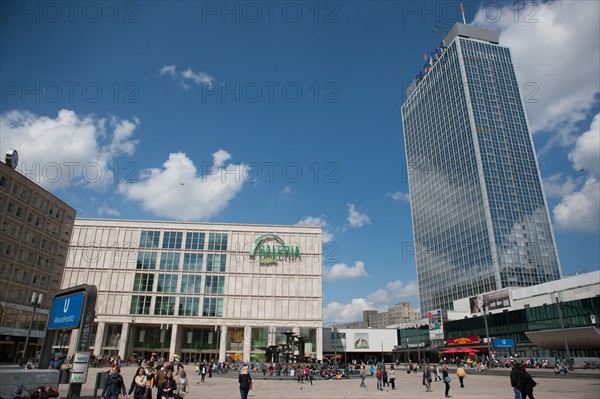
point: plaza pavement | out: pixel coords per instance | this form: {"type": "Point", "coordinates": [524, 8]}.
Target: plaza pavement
{"type": "Point", "coordinates": [477, 386]}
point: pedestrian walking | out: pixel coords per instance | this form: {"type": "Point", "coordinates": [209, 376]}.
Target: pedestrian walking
{"type": "Point", "coordinates": [460, 372]}
{"type": "Point", "coordinates": [114, 384]}
{"type": "Point", "coordinates": [447, 380]}
{"type": "Point", "coordinates": [183, 386]}
{"type": "Point", "coordinates": [516, 379]}
{"type": "Point", "coordinates": [138, 384]}
{"type": "Point", "coordinates": [379, 376]}
{"type": "Point", "coordinates": [427, 378]}
{"type": "Point", "coordinates": [363, 374]}
{"type": "Point", "coordinates": [527, 384]}
{"type": "Point", "coordinates": [168, 386]}
{"type": "Point", "coordinates": [392, 376]}
{"type": "Point", "coordinates": [245, 381]}
{"type": "Point", "coordinates": [385, 377]}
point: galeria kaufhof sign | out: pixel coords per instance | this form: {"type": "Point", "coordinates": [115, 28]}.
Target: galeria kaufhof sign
{"type": "Point", "coordinates": [270, 249]}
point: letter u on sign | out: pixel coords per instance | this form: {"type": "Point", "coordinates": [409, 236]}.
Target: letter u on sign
{"type": "Point", "coordinates": [66, 306]}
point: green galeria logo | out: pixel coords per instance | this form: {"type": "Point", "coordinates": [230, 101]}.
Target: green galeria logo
{"type": "Point", "coordinates": [269, 254]}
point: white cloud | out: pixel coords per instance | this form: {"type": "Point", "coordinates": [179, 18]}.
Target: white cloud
{"type": "Point", "coordinates": [392, 291]}
{"type": "Point", "coordinates": [68, 149]}
{"type": "Point", "coordinates": [555, 48]}
{"type": "Point", "coordinates": [220, 157]}
{"type": "Point", "coordinates": [170, 69]}
{"type": "Point", "coordinates": [340, 312]}
{"type": "Point", "coordinates": [400, 196]}
{"type": "Point", "coordinates": [342, 271]}
{"type": "Point", "coordinates": [199, 78]}
{"type": "Point", "coordinates": [580, 211]}
{"type": "Point", "coordinates": [559, 185]}
{"type": "Point", "coordinates": [317, 221]}
{"type": "Point", "coordinates": [355, 218]}
{"type": "Point", "coordinates": [178, 192]}
{"type": "Point", "coordinates": [105, 210]}
{"type": "Point", "coordinates": [586, 154]}
{"type": "Point", "coordinates": [286, 190]}
{"type": "Point", "coordinates": [379, 300]}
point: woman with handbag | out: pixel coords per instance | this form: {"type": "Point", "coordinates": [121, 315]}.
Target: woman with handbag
{"type": "Point", "coordinates": [138, 385]}
{"type": "Point", "coordinates": [446, 378]}
{"type": "Point", "coordinates": [245, 382]}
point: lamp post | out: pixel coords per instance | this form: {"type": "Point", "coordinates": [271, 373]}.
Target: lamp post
{"type": "Point", "coordinates": [564, 333]}
{"type": "Point", "coordinates": [36, 300]}
{"type": "Point", "coordinates": [487, 336]}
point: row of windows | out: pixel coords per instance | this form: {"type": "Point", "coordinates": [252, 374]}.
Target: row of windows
{"type": "Point", "coordinates": [165, 306]}
{"type": "Point", "coordinates": [192, 262]}
{"type": "Point", "coordinates": [190, 284]}
{"type": "Point", "coordinates": [174, 239]}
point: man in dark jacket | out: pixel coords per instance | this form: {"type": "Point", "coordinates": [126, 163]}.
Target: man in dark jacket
{"type": "Point", "coordinates": [516, 379]}
{"type": "Point", "coordinates": [114, 384]}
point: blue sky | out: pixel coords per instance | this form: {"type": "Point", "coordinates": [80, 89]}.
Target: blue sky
{"type": "Point", "coordinates": [283, 113]}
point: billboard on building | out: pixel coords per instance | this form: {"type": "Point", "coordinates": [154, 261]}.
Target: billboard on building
{"type": "Point", "coordinates": [361, 341]}
{"type": "Point", "coordinates": [436, 324]}
{"type": "Point", "coordinates": [495, 300]}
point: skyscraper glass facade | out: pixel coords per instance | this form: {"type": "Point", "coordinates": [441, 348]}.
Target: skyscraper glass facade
{"type": "Point", "coordinates": [480, 219]}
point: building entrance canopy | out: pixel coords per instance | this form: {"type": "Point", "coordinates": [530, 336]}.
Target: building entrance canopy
{"type": "Point", "coordinates": [580, 337]}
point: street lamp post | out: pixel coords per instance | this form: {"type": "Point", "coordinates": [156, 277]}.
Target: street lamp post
{"type": "Point", "coordinates": [36, 300]}
{"type": "Point", "coordinates": [487, 336]}
{"type": "Point", "coordinates": [564, 333]}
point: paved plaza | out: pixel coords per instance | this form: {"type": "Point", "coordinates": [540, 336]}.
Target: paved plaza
{"type": "Point", "coordinates": [477, 386]}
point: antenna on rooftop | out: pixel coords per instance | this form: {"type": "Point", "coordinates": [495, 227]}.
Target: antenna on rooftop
{"type": "Point", "coordinates": [462, 11]}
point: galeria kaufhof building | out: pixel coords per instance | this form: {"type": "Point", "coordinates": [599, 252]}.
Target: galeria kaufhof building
{"type": "Point", "coordinates": [201, 290]}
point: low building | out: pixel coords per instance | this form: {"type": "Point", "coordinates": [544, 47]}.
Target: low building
{"type": "Point", "coordinates": [205, 291]}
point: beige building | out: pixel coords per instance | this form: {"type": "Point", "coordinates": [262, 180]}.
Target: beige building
{"type": "Point", "coordinates": [36, 230]}
{"type": "Point", "coordinates": [201, 290]}
{"type": "Point", "coordinates": [400, 313]}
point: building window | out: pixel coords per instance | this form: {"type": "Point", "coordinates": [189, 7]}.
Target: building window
{"type": "Point", "coordinates": [190, 284]}
{"type": "Point", "coordinates": [165, 306]}
{"type": "Point", "coordinates": [143, 282]}
{"type": "Point", "coordinates": [217, 241]}
{"type": "Point", "coordinates": [146, 260]}
{"type": "Point", "coordinates": [194, 241]}
{"type": "Point", "coordinates": [169, 261]}
{"type": "Point", "coordinates": [3, 182]}
{"type": "Point", "coordinates": [192, 262]}
{"type": "Point", "coordinates": [167, 283]}
{"type": "Point", "coordinates": [215, 263]}
{"type": "Point", "coordinates": [140, 304]}
{"type": "Point", "coordinates": [172, 240]}
{"type": "Point", "coordinates": [149, 239]}
{"type": "Point", "coordinates": [214, 284]}
{"type": "Point", "coordinates": [189, 306]}
{"type": "Point", "coordinates": [212, 307]}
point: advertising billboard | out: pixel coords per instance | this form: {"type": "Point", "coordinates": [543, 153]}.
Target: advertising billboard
{"type": "Point", "coordinates": [492, 301]}
{"type": "Point", "coordinates": [436, 325]}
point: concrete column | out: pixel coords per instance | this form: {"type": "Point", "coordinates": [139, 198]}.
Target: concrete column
{"type": "Point", "coordinates": [271, 336]}
{"type": "Point", "coordinates": [99, 338]}
{"type": "Point", "coordinates": [123, 341]}
{"type": "Point", "coordinates": [73, 342]}
{"type": "Point", "coordinates": [173, 348]}
{"type": "Point", "coordinates": [247, 343]}
{"type": "Point", "coordinates": [223, 344]}
{"type": "Point", "coordinates": [319, 343]}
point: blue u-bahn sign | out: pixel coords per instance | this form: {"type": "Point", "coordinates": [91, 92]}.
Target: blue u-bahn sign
{"type": "Point", "coordinates": [504, 342]}
{"type": "Point", "coordinates": [66, 311]}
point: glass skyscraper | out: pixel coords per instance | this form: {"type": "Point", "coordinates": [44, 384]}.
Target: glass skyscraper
{"type": "Point", "coordinates": [480, 218]}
